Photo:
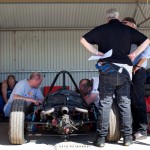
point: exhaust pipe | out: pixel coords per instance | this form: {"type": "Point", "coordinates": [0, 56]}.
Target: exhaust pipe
{"type": "Point", "coordinates": [81, 110]}
{"type": "Point", "coordinates": [46, 112]}
{"type": "Point", "coordinates": [65, 110]}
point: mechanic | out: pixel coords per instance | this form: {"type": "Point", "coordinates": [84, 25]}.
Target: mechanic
{"type": "Point", "coordinates": [138, 104]}
{"type": "Point", "coordinates": [6, 88]}
{"type": "Point", "coordinates": [114, 71]}
{"type": "Point", "coordinates": [28, 90]}
{"type": "Point", "coordinates": [89, 90]}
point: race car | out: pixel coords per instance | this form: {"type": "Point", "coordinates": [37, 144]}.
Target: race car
{"type": "Point", "coordinates": [63, 112]}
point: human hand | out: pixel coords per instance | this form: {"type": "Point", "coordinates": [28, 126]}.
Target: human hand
{"type": "Point", "coordinates": [132, 56]}
{"type": "Point", "coordinates": [99, 53]}
{"type": "Point", "coordinates": [40, 101]}
{"type": "Point", "coordinates": [135, 68]}
{"type": "Point", "coordinates": [36, 102]}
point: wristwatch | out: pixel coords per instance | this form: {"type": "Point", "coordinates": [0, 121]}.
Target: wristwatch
{"type": "Point", "coordinates": [137, 66]}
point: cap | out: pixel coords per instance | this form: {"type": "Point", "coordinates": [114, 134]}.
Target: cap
{"type": "Point", "coordinates": [129, 19]}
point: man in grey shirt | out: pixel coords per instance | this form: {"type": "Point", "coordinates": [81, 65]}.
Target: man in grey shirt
{"type": "Point", "coordinates": [27, 90]}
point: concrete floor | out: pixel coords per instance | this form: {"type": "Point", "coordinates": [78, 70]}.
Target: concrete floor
{"type": "Point", "coordinates": [83, 142]}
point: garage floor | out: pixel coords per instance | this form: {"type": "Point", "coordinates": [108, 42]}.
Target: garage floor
{"type": "Point", "coordinates": [83, 142]}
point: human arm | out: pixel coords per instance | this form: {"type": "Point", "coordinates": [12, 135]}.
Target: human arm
{"type": "Point", "coordinates": [23, 91]}
{"type": "Point", "coordinates": [35, 101]}
{"type": "Point", "coordinates": [90, 47]}
{"type": "Point", "coordinates": [141, 60]}
{"type": "Point", "coordinates": [139, 64]}
{"type": "Point", "coordinates": [139, 49]}
{"type": "Point", "coordinates": [4, 90]}
{"type": "Point", "coordinates": [91, 98]}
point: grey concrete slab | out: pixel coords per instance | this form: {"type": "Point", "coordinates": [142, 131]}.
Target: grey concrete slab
{"type": "Point", "coordinates": [51, 142]}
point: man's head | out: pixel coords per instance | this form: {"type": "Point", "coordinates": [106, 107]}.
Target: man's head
{"type": "Point", "coordinates": [129, 22]}
{"type": "Point", "coordinates": [35, 79]}
{"type": "Point", "coordinates": [85, 86]}
{"type": "Point", "coordinates": [112, 14]}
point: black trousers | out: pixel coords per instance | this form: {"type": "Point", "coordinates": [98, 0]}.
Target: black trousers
{"type": "Point", "coordinates": [138, 105]}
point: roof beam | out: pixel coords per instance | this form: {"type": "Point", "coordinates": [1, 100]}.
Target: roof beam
{"type": "Point", "coordinates": [146, 19]}
{"type": "Point", "coordinates": [135, 12]}
{"type": "Point", "coordinates": [61, 1]}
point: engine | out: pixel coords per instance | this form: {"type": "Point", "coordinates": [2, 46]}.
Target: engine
{"type": "Point", "coordinates": [63, 120]}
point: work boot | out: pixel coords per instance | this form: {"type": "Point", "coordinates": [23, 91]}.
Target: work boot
{"type": "Point", "coordinates": [127, 140]}
{"type": "Point", "coordinates": [99, 142]}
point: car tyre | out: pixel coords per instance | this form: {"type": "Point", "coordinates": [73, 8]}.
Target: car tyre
{"type": "Point", "coordinates": [17, 122]}
{"type": "Point", "coordinates": [113, 128]}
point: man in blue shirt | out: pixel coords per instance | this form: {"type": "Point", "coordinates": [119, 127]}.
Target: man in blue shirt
{"type": "Point", "coordinates": [138, 105]}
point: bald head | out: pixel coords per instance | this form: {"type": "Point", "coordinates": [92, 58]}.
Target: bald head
{"type": "Point", "coordinates": [36, 76]}
{"type": "Point", "coordinates": [35, 79]}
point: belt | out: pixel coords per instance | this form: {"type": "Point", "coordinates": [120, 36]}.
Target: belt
{"type": "Point", "coordinates": [104, 68]}
{"type": "Point", "coordinates": [121, 70]}
{"type": "Point", "coordinates": [110, 67]}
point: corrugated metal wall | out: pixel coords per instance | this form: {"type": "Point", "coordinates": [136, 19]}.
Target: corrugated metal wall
{"type": "Point", "coordinates": [22, 52]}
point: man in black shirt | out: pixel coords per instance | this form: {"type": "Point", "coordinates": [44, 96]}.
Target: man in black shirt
{"type": "Point", "coordinates": [115, 71]}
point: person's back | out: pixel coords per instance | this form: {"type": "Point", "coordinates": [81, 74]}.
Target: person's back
{"type": "Point", "coordinates": [114, 71]}
{"type": "Point", "coordinates": [116, 36]}
{"type": "Point", "coordinates": [121, 49]}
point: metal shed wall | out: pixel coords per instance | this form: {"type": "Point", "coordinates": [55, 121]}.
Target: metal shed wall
{"type": "Point", "coordinates": [22, 52]}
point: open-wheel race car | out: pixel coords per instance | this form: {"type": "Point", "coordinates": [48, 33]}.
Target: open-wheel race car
{"type": "Point", "coordinates": [63, 112]}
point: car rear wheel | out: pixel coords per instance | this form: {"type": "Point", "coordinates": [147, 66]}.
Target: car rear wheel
{"type": "Point", "coordinates": [113, 129]}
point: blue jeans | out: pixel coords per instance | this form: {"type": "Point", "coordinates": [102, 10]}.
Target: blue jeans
{"type": "Point", "coordinates": [2, 104]}
{"type": "Point", "coordinates": [138, 105]}
{"type": "Point", "coordinates": [110, 84]}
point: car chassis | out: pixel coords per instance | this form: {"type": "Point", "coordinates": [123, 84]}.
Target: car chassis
{"type": "Point", "coordinates": [63, 112]}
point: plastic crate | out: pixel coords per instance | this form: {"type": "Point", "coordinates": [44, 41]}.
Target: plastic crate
{"type": "Point", "coordinates": [147, 100]}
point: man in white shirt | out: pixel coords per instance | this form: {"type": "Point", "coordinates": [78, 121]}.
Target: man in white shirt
{"type": "Point", "coordinates": [88, 89]}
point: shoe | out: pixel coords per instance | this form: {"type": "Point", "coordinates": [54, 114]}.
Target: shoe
{"type": "Point", "coordinates": [139, 136]}
{"type": "Point", "coordinates": [99, 142]}
{"type": "Point", "coordinates": [127, 141]}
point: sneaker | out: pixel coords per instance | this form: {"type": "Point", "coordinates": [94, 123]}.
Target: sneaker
{"type": "Point", "coordinates": [99, 142]}
{"type": "Point", "coordinates": [127, 141]}
{"type": "Point", "coordinates": [139, 136]}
